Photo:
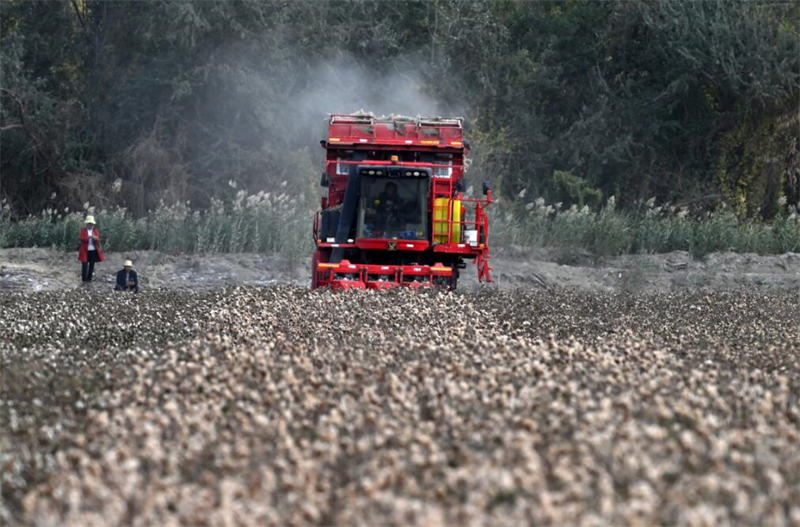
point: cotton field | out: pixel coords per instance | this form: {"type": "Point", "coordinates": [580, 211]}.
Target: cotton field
{"type": "Point", "coordinates": [284, 406]}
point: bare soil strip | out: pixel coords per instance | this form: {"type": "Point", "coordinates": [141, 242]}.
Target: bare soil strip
{"type": "Point", "coordinates": [50, 270]}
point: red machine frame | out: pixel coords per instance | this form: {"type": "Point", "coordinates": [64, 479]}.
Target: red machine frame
{"type": "Point", "coordinates": [434, 146]}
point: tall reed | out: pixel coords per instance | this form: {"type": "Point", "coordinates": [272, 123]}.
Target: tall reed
{"type": "Point", "coordinates": [651, 229]}
{"type": "Point", "coordinates": [273, 223]}
{"type": "Point", "coordinates": [277, 223]}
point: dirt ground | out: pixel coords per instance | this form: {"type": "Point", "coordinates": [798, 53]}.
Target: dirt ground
{"type": "Point", "coordinates": [51, 270]}
{"type": "Point", "coordinates": [675, 271]}
{"type": "Point", "coordinates": [48, 270]}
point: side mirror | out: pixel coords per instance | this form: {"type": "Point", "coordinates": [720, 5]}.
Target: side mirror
{"type": "Point", "coordinates": [459, 187]}
{"type": "Point", "coordinates": [324, 181]}
{"type": "Point", "coordinates": [486, 188]}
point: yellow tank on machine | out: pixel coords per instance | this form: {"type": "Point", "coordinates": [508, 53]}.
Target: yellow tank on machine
{"type": "Point", "coordinates": [441, 228]}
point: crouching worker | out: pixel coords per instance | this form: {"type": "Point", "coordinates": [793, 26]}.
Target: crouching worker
{"type": "Point", "coordinates": [127, 279]}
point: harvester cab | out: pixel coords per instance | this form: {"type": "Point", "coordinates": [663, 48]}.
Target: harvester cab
{"type": "Point", "coordinates": [394, 213]}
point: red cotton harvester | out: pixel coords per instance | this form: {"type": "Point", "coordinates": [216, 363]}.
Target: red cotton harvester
{"type": "Point", "coordinates": [395, 214]}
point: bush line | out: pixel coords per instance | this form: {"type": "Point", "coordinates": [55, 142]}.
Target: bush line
{"type": "Point", "coordinates": [274, 223]}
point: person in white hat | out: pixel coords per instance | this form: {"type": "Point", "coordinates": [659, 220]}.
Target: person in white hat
{"type": "Point", "coordinates": [89, 251]}
{"type": "Point", "coordinates": [127, 279]}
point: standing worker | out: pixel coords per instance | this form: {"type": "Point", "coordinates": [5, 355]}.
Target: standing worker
{"type": "Point", "coordinates": [127, 279]}
{"type": "Point", "coordinates": [89, 251]}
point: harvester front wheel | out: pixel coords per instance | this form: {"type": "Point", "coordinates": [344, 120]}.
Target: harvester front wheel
{"type": "Point", "coordinates": [315, 259]}
{"type": "Point", "coordinates": [447, 282]}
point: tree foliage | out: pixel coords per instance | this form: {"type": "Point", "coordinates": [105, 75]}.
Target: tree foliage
{"type": "Point", "coordinates": [677, 100]}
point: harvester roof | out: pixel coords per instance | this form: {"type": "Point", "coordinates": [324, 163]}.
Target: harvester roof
{"type": "Point", "coordinates": [395, 130]}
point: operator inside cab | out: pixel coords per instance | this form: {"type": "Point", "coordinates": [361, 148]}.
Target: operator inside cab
{"type": "Point", "coordinates": [393, 208]}
{"type": "Point", "coordinates": [389, 214]}
{"type": "Point", "coordinates": [388, 202]}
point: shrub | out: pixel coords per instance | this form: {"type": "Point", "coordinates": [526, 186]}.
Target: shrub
{"type": "Point", "coordinates": [651, 229]}
{"type": "Point", "coordinates": [275, 223]}
{"type": "Point", "coordinates": [263, 222]}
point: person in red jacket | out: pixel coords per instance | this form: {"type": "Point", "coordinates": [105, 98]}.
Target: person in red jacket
{"type": "Point", "coordinates": [89, 251]}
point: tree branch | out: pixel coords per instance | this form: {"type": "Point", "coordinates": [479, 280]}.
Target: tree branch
{"type": "Point", "coordinates": [78, 14]}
